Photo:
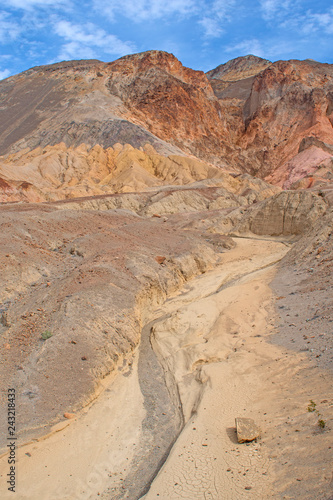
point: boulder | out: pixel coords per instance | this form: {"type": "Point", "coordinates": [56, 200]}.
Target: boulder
{"type": "Point", "coordinates": [246, 429]}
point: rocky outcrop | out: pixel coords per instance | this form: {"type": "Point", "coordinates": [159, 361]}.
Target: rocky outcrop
{"type": "Point", "coordinates": [309, 142]}
{"type": "Point", "coordinates": [289, 101]}
{"type": "Point", "coordinates": [273, 110]}
{"type": "Point", "coordinates": [234, 79]}
{"type": "Point", "coordinates": [239, 69]}
{"type": "Point", "coordinates": [174, 102]}
{"type": "Point", "coordinates": [67, 102]}
{"type": "Point", "coordinates": [289, 213]}
{"type": "Point", "coordinates": [312, 163]}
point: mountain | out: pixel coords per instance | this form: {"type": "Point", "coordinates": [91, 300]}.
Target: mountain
{"type": "Point", "coordinates": [65, 128]}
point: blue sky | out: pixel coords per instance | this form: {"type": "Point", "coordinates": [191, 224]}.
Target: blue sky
{"type": "Point", "coordinates": [202, 34]}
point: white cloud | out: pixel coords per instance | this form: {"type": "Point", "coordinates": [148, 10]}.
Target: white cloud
{"type": "Point", "coordinates": [9, 30]}
{"type": "Point", "coordinates": [74, 50]}
{"type": "Point", "coordinates": [141, 10]}
{"type": "Point", "coordinates": [221, 8]}
{"type": "Point", "coordinates": [212, 27]}
{"type": "Point", "coordinates": [216, 15]}
{"type": "Point", "coordinates": [29, 4]}
{"type": "Point", "coordinates": [310, 22]}
{"type": "Point", "coordinates": [272, 48]}
{"type": "Point", "coordinates": [5, 73]}
{"type": "Point", "coordinates": [273, 8]}
{"type": "Point", "coordinates": [281, 49]}
{"type": "Point", "coordinates": [252, 46]}
{"type": "Point", "coordinates": [88, 41]}
{"type": "Point", "coordinates": [315, 21]}
{"type": "Point", "coordinates": [268, 7]}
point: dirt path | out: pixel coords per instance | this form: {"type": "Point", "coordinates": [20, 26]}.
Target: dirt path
{"type": "Point", "coordinates": [210, 341]}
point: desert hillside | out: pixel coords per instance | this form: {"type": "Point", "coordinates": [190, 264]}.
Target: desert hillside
{"type": "Point", "coordinates": [82, 128]}
{"type": "Point", "coordinates": [166, 272]}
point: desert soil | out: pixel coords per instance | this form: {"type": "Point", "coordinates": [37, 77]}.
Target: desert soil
{"type": "Point", "coordinates": [173, 430]}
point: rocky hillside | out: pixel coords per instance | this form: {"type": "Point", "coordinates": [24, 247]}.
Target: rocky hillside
{"type": "Point", "coordinates": [69, 129]}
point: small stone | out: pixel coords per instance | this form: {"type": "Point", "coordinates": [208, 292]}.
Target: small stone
{"type": "Point", "coordinates": [4, 320]}
{"type": "Point", "coordinates": [159, 259]}
{"type": "Point", "coordinates": [69, 415]}
{"type": "Point", "coordinates": [246, 430]}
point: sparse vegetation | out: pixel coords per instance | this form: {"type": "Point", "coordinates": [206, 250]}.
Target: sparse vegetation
{"type": "Point", "coordinates": [46, 335]}
{"type": "Point", "coordinates": [312, 406]}
{"type": "Point", "coordinates": [321, 423]}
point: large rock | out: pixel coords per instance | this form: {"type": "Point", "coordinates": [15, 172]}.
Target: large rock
{"type": "Point", "coordinates": [246, 429]}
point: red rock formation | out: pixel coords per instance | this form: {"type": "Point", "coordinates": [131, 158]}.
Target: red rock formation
{"type": "Point", "coordinates": [274, 110]}
{"type": "Point", "coordinates": [288, 101]}
{"type": "Point", "coordinates": [174, 102]}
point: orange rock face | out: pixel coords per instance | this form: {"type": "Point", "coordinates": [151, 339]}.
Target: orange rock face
{"type": "Point", "coordinates": [173, 102]}
{"type": "Point", "coordinates": [289, 101]}
{"type": "Point", "coordinates": [271, 108]}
